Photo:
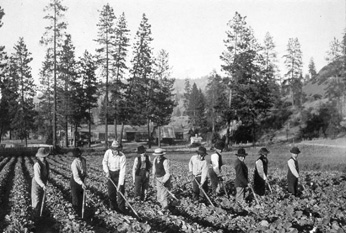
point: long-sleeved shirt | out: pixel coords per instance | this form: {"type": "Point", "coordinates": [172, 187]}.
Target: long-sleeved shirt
{"type": "Point", "coordinates": [260, 169]}
{"type": "Point", "coordinates": [143, 164]}
{"type": "Point", "coordinates": [214, 158]}
{"type": "Point", "coordinates": [115, 161]}
{"type": "Point", "coordinates": [292, 167]}
{"type": "Point", "coordinates": [79, 169]}
{"type": "Point", "coordinates": [198, 167]}
{"type": "Point", "coordinates": [165, 166]}
{"type": "Point", "coordinates": [37, 173]}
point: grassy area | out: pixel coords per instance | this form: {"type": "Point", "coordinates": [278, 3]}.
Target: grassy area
{"type": "Point", "coordinates": [312, 158]}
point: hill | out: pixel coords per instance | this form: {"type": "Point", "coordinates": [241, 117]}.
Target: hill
{"type": "Point", "coordinates": [179, 84]}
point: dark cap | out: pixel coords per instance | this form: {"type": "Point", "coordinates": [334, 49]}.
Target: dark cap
{"type": "Point", "coordinates": [241, 152]}
{"type": "Point", "coordinates": [141, 150]}
{"type": "Point", "coordinates": [295, 150]}
{"type": "Point", "coordinates": [201, 150]}
{"type": "Point", "coordinates": [76, 152]}
{"type": "Point", "coordinates": [220, 145]}
{"type": "Point", "coordinates": [264, 150]}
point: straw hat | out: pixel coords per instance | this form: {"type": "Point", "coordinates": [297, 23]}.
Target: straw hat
{"type": "Point", "coordinates": [159, 151]}
{"type": "Point", "coordinates": [42, 152]}
{"type": "Point", "coordinates": [115, 145]}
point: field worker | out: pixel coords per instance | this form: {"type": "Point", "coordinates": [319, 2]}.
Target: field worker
{"type": "Point", "coordinates": [140, 173]}
{"type": "Point", "coordinates": [77, 181]}
{"type": "Point", "coordinates": [261, 171]}
{"type": "Point", "coordinates": [199, 168]}
{"type": "Point", "coordinates": [293, 171]}
{"type": "Point", "coordinates": [241, 176]}
{"type": "Point", "coordinates": [114, 165]}
{"type": "Point", "coordinates": [39, 181]}
{"type": "Point", "coordinates": [215, 169]}
{"type": "Point", "coordinates": [163, 177]}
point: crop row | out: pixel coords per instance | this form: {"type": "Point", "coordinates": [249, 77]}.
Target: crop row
{"type": "Point", "coordinates": [320, 206]}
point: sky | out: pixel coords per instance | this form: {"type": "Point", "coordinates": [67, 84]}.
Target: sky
{"type": "Point", "coordinates": [191, 31]}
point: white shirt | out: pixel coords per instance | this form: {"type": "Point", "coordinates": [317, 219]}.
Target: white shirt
{"type": "Point", "coordinates": [198, 168]}
{"type": "Point", "coordinates": [78, 164]}
{"type": "Point", "coordinates": [115, 162]}
{"type": "Point", "coordinates": [215, 163]}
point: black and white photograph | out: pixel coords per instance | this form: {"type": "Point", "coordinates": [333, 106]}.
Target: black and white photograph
{"type": "Point", "coordinates": [173, 116]}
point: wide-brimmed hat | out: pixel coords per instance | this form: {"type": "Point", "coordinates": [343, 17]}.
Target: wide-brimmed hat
{"type": "Point", "coordinates": [241, 152]}
{"type": "Point", "coordinates": [202, 151]}
{"type": "Point", "coordinates": [295, 150]}
{"type": "Point", "coordinates": [159, 151]}
{"type": "Point", "coordinates": [264, 150]}
{"type": "Point", "coordinates": [76, 152]}
{"type": "Point", "coordinates": [141, 149]}
{"type": "Point", "coordinates": [42, 152]}
{"type": "Point", "coordinates": [220, 145]}
{"type": "Point", "coordinates": [115, 145]}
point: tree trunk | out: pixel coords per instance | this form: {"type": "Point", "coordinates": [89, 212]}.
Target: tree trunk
{"type": "Point", "coordinates": [115, 129]}
{"type": "Point", "coordinates": [253, 131]}
{"type": "Point", "coordinates": [89, 136]}
{"type": "Point", "coordinates": [149, 134]}
{"type": "Point", "coordinates": [66, 130]}
{"type": "Point", "coordinates": [121, 133]}
{"type": "Point", "coordinates": [159, 136]}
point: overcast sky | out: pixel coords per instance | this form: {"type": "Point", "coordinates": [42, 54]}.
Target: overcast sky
{"type": "Point", "coordinates": [192, 31]}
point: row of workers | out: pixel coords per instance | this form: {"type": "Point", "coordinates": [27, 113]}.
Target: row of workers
{"type": "Point", "coordinates": [114, 167]}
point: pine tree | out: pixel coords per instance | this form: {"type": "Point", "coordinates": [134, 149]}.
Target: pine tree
{"type": "Point", "coordinates": [187, 93]}
{"type": "Point", "coordinates": [270, 57]}
{"type": "Point", "coordinates": [250, 94]}
{"type": "Point", "coordinates": [52, 39]}
{"type": "Point", "coordinates": [196, 109]}
{"type": "Point", "coordinates": [140, 75]}
{"type": "Point", "coordinates": [121, 49]}
{"type": "Point", "coordinates": [5, 97]}
{"type": "Point", "coordinates": [312, 69]}
{"type": "Point", "coordinates": [43, 120]}
{"type": "Point", "coordinates": [87, 73]}
{"type": "Point", "coordinates": [161, 101]}
{"type": "Point", "coordinates": [105, 39]}
{"type": "Point", "coordinates": [67, 78]}
{"type": "Point", "coordinates": [216, 101]}
{"type": "Point", "coordinates": [21, 71]}
{"type": "Point", "coordinates": [293, 62]}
